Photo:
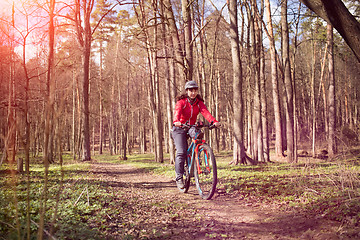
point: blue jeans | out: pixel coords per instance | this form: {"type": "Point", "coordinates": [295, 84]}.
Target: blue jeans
{"type": "Point", "coordinates": [180, 137]}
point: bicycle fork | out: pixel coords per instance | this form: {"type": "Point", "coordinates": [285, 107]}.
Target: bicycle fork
{"type": "Point", "coordinates": [198, 159]}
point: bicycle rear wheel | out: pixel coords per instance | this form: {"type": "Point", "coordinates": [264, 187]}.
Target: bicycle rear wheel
{"type": "Point", "coordinates": [186, 180]}
{"type": "Point", "coordinates": [205, 172]}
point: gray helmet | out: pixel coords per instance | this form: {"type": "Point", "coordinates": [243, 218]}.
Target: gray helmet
{"type": "Point", "coordinates": [191, 84]}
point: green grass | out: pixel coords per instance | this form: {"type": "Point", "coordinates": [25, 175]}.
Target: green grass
{"type": "Point", "coordinates": [72, 211]}
{"type": "Point", "coordinates": [331, 190]}
{"type": "Point", "coordinates": [327, 189]}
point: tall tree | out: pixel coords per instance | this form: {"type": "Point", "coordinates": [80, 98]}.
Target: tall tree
{"type": "Point", "coordinates": [83, 9]}
{"type": "Point", "coordinates": [169, 79]}
{"type": "Point", "coordinates": [275, 83]}
{"type": "Point", "coordinates": [258, 154]}
{"type": "Point", "coordinates": [151, 41]}
{"type": "Point", "coordinates": [48, 113]}
{"type": "Point", "coordinates": [239, 155]}
{"type": "Point", "coordinates": [82, 20]}
{"type": "Point", "coordinates": [288, 83]}
{"type": "Point", "coordinates": [105, 28]}
{"type": "Point", "coordinates": [332, 112]}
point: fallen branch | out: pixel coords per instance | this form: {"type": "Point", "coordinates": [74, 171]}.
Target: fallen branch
{"type": "Point", "coordinates": [47, 233]}
{"type": "Point", "coordinates": [87, 191]}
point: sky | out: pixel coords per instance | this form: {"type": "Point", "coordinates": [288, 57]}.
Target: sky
{"type": "Point", "coordinates": [5, 5]}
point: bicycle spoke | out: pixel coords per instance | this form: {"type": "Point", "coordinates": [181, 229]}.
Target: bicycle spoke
{"type": "Point", "coordinates": [206, 172]}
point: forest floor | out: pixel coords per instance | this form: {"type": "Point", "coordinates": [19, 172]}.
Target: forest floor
{"type": "Point", "coordinates": [187, 216]}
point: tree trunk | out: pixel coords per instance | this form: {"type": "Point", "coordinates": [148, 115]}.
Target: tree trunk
{"type": "Point", "coordinates": [288, 84]}
{"type": "Point", "coordinates": [48, 116]}
{"type": "Point", "coordinates": [154, 87]}
{"type": "Point", "coordinates": [101, 117]}
{"type": "Point", "coordinates": [275, 84]}
{"type": "Point", "coordinates": [74, 101]}
{"type": "Point", "coordinates": [86, 82]}
{"type": "Point", "coordinates": [332, 97]}
{"type": "Point", "coordinates": [179, 54]}
{"type": "Point", "coordinates": [256, 48]}
{"type": "Point", "coordinates": [84, 34]}
{"type": "Point", "coordinates": [238, 102]}
{"type": "Point", "coordinates": [169, 98]}
{"type": "Point", "coordinates": [313, 100]}
{"type": "Point", "coordinates": [264, 105]}
{"type": "Point", "coordinates": [186, 14]}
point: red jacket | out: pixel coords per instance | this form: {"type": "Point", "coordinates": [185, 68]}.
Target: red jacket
{"type": "Point", "coordinates": [185, 111]}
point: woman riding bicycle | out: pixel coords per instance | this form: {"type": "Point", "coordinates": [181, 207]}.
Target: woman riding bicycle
{"type": "Point", "coordinates": [187, 108]}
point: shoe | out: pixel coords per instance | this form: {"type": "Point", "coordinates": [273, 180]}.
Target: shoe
{"type": "Point", "coordinates": [180, 183]}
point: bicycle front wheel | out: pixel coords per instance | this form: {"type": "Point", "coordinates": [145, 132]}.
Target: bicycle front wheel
{"type": "Point", "coordinates": [205, 172]}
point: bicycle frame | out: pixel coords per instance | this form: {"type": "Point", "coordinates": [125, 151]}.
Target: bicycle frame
{"type": "Point", "coordinates": [194, 149]}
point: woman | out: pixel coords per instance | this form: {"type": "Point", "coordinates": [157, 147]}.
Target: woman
{"type": "Point", "coordinates": [188, 106]}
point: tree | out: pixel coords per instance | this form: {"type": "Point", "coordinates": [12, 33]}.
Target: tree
{"type": "Point", "coordinates": [151, 41]}
{"type": "Point", "coordinates": [82, 20]}
{"type": "Point", "coordinates": [186, 6]}
{"type": "Point", "coordinates": [169, 79]}
{"type": "Point", "coordinates": [275, 83]}
{"type": "Point", "coordinates": [48, 112]}
{"type": "Point", "coordinates": [254, 59]}
{"type": "Point", "coordinates": [331, 112]}
{"type": "Point", "coordinates": [239, 155]}
{"type": "Point", "coordinates": [82, 14]}
{"type": "Point", "coordinates": [288, 83]}
{"type": "Point", "coordinates": [336, 13]}
{"type": "Point", "coordinates": [105, 28]}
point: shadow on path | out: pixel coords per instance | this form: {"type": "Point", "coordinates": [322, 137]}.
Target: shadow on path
{"type": "Point", "coordinates": [224, 217]}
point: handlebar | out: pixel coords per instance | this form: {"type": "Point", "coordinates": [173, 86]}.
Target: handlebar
{"type": "Point", "coordinates": [199, 125]}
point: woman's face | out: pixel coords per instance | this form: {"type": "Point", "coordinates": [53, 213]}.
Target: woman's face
{"type": "Point", "coordinates": [192, 93]}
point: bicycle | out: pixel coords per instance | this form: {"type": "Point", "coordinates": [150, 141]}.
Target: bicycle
{"type": "Point", "coordinates": [200, 164]}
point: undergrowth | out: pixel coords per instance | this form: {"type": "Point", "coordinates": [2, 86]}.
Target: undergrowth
{"type": "Point", "coordinates": [86, 207]}
{"type": "Point", "coordinates": [328, 190]}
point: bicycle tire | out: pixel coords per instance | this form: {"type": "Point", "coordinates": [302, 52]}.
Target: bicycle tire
{"type": "Point", "coordinates": [186, 180]}
{"type": "Point", "coordinates": [206, 178]}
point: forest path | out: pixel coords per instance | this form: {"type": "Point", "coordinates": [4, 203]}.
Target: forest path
{"type": "Point", "coordinates": [223, 217]}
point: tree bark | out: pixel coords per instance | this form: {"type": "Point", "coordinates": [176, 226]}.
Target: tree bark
{"type": "Point", "coordinates": [154, 91]}
{"type": "Point", "coordinates": [332, 97]}
{"type": "Point", "coordinates": [288, 84]}
{"type": "Point", "coordinates": [275, 84]}
{"type": "Point", "coordinates": [239, 155]}
{"type": "Point", "coordinates": [101, 117]}
{"type": "Point", "coordinates": [86, 80]}
{"type": "Point", "coordinates": [313, 100]}
{"type": "Point", "coordinates": [168, 91]}
{"type": "Point", "coordinates": [178, 51]}
{"type": "Point", "coordinates": [84, 34]}
{"type": "Point", "coordinates": [186, 14]}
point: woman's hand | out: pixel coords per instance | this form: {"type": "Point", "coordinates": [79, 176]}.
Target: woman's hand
{"type": "Point", "coordinates": [177, 124]}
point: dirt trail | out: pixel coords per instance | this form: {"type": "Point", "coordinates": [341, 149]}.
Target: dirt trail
{"type": "Point", "coordinates": [223, 217]}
